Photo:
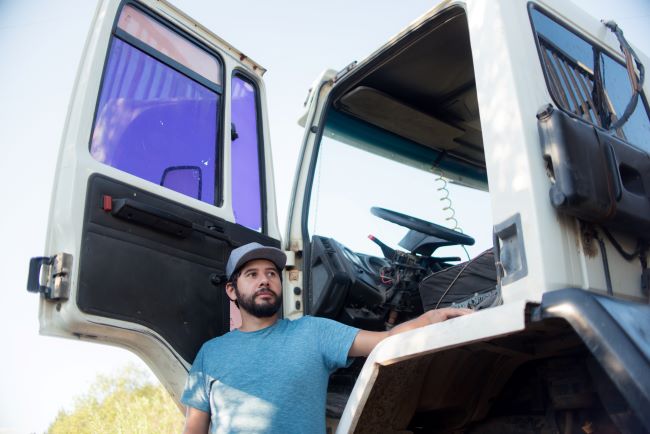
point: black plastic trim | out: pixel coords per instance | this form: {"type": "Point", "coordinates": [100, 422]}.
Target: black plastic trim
{"type": "Point", "coordinates": [176, 66]}
{"type": "Point", "coordinates": [580, 158]}
{"type": "Point", "coordinates": [616, 332]}
{"type": "Point", "coordinates": [304, 217]}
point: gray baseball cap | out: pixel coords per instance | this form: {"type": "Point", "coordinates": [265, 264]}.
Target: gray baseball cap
{"type": "Point", "coordinates": [251, 251]}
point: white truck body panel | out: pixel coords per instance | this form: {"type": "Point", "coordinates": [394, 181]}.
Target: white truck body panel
{"type": "Point", "coordinates": [499, 321]}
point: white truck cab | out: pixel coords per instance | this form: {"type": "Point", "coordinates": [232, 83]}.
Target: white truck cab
{"type": "Point", "coordinates": [504, 146]}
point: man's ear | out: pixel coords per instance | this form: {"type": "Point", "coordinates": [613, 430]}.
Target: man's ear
{"type": "Point", "coordinates": [230, 292]}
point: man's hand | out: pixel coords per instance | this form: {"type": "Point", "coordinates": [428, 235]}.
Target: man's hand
{"type": "Point", "coordinates": [434, 316]}
{"type": "Point", "coordinates": [366, 340]}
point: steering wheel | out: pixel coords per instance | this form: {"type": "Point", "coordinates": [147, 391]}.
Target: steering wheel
{"type": "Point", "coordinates": [422, 226]}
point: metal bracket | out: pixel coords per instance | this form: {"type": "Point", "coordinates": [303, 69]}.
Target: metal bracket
{"type": "Point", "coordinates": [510, 252]}
{"type": "Point", "coordinates": [50, 276]}
{"type": "Point", "coordinates": [345, 71]}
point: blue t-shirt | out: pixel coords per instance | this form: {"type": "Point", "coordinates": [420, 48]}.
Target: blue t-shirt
{"type": "Point", "coordinates": [272, 380]}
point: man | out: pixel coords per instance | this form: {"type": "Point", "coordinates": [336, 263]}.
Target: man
{"type": "Point", "coordinates": [270, 375]}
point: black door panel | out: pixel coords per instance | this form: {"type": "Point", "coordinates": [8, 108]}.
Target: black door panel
{"type": "Point", "coordinates": [136, 270]}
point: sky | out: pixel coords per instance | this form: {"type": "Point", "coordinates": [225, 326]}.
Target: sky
{"type": "Point", "coordinates": [41, 43]}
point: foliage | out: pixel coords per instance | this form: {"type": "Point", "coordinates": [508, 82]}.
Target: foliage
{"type": "Point", "coordinates": [127, 402]}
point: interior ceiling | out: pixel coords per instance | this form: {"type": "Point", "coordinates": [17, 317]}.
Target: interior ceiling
{"type": "Point", "coordinates": [433, 76]}
{"type": "Point", "coordinates": [431, 70]}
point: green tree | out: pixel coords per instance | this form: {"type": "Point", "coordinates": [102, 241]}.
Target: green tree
{"type": "Point", "coordinates": [127, 402]}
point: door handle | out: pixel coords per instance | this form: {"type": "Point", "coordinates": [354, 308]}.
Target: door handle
{"type": "Point", "coordinates": [161, 220]}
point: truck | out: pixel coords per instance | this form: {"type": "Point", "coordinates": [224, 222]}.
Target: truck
{"type": "Point", "coordinates": [500, 152]}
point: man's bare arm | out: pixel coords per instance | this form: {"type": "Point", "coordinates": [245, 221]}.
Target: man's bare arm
{"type": "Point", "coordinates": [196, 421]}
{"type": "Point", "coordinates": [366, 340]}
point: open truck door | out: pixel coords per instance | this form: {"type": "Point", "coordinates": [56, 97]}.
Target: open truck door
{"type": "Point", "coordinates": [164, 168]}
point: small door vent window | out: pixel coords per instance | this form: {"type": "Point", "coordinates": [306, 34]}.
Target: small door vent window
{"type": "Point", "coordinates": [169, 43]}
{"type": "Point", "coordinates": [245, 151]}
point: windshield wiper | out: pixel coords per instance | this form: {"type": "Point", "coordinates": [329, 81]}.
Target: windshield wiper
{"type": "Point", "coordinates": [636, 82]}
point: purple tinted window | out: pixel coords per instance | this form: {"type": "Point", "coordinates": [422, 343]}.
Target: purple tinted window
{"type": "Point", "coordinates": [246, 198]}
{"type": "Point", "coordinates": [156, 123]}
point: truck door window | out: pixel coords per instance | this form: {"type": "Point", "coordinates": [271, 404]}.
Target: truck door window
{"type": "Point", "coordinates": [245, 154]}
{"type": "Point", "coordinates": [568, 63]}
{"type": "Point", "coordinates": [158, 112]}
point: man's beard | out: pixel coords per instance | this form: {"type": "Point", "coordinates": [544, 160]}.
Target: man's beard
{"type": "Point", "coordinates": [259, 310]}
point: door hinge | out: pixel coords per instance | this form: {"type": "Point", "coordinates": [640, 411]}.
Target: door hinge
{"type": "Point", "coordinates": [344, 71]}
{"type": "Point", "coordinates": [50, 275]}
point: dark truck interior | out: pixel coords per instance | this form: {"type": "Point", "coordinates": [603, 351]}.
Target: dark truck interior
{"type": "Point", "coordinates": [416, 101]}
{"type": "Point", "coordinates": [419, 103]}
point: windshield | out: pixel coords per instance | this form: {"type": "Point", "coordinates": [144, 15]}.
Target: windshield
{"type": "Point", "coordinates": [349, 180]}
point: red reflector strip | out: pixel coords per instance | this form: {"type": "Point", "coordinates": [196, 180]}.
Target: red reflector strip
{"type": "Point", "coordinates": [107, 203]}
